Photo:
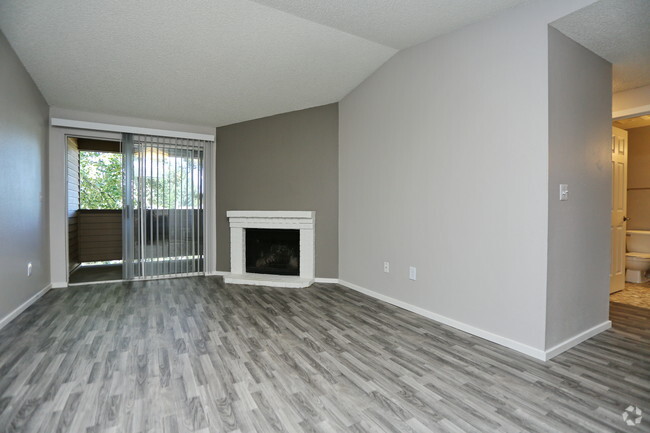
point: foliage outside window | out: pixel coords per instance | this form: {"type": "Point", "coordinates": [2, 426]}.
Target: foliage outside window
{"type": "Point", "coordinates": [170, 181]}
{"type": "Point", "coordinates": [100, 177]}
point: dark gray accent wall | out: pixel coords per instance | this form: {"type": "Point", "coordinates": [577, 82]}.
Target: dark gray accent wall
{"type": "Point", "coordinates": [283, 162]}
{"type": "Point", "coordinates": [23, 184]}
{"type": "Point", "coordinates": [580, 129]}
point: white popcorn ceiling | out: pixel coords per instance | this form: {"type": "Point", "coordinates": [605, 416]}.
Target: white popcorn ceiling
{"type": "Point", "coordinates": [216, 62]}
{"type": "Point", "coordinates": [618, 31]}
{"type": "Point", "coordinates": [394, 23]}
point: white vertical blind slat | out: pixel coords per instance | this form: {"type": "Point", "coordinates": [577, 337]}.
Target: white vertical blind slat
{"type": "Point", "coordinates": [169, 201]}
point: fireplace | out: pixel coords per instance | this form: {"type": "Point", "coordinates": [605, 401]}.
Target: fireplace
{"type": "Point", "coordinates": [273, 248]}
{"type": "Point", "coordinates": [273, 251]}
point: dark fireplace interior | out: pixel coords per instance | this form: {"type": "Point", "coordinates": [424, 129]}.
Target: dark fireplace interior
{"type": "Point", "coordinates": [273, 251]}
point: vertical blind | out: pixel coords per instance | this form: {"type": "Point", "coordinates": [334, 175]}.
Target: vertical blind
{"type": "Point", "coordinates": [163, 206]}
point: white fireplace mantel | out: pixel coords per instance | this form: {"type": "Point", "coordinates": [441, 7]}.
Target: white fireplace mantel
{"type": "Point", "coordinates": [290, 220]}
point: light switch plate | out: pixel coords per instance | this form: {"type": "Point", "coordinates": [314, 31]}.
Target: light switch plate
{"type": "Point", "coordinates": [412, 273]}
{"type": "Point", "coordinates": [564, 192]}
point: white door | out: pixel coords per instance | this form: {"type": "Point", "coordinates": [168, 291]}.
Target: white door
{"type": "Point", "coordinates": [619, 208]}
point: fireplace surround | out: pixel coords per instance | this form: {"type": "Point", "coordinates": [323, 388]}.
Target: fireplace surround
{"type": "Point", "coordinates": [302, 221]}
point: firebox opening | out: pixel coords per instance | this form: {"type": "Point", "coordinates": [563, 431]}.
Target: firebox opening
{"type": "Point", "coordinates": [273, 251]}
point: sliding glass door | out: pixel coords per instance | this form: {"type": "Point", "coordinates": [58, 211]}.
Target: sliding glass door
{"type": "Point", "coordinates": [163, 227]}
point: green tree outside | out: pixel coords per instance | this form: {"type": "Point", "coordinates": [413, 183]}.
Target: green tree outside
{"type": "Point", "coordinates": [100, 177]}
{"type": "Point", "coordinates": [170, 182]}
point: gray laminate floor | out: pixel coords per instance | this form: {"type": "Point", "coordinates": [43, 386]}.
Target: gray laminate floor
{"type": "Point", "coordinates": [190, 355]}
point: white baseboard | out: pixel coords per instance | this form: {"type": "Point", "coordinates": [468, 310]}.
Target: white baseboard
{"type": "Point", "coordinates": [542, 355]}
{"type": "Point", "coordinates": [512, 344]}
{"type": "Point", "coordinates": [59, 285]}
{"type": "Point", "coordinates": [577, 339]}
{"type": "Point", "coordinates": [327, 280]}
{"type": "Point", "coordinates": [216, 273]}
{"type": "Point", "coordinates": [11, 316]}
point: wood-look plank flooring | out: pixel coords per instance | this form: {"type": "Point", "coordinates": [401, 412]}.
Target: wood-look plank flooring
{"type": "Point", "coordinates": [193, 355]}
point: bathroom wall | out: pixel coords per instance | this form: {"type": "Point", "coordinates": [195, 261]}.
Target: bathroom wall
{"type": "Point", "coordinates": [638, 179]}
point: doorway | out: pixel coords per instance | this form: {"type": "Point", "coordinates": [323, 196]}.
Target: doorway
{"type": "Point", "coordinates": [94, 190]}
{"type": "Point", "coordinates": [635, 290]}
{"type": "Point", "coordinates": [134, 208]}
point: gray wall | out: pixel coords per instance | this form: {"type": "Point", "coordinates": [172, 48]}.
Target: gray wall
{"type": "Point", "coordinates": [580, 156]}
{"type": "Point", "coordinates": [638, 179]}
{"type": "Point", "coordinates": [283, 162]}
{"type": "Point", "coordinates": [23, 184]}
{"type": "Point", "coordinates": [444, 166]}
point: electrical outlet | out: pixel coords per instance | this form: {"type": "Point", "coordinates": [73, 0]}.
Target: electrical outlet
{"type": "Point", "coordinates": [29, 269]}
{"type": "Point", "coordinates": [412, 273]}
{"type": "Point", "coordinates": [386, 267]}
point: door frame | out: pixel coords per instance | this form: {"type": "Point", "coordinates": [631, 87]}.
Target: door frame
{"type": "Point", "coordinates": [617, 281]}
{"type": "Point", "coordinates": [641, 110]}
{"type": "Point", "coordinates": [60, 130]}
{"type": "Point", "coordinates": [93, 136]}
{"type": "Point", "coordinates": [58, 176]}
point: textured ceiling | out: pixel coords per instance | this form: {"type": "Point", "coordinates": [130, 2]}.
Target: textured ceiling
{"type": "Point", "coordinates": [210, 62]}
{"type": "Point", "coordinates": [216, 62]}
{"type": "Point", "coordinates": [618, 31]}
{"type": "Point", "coordinates": [394, 23]}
